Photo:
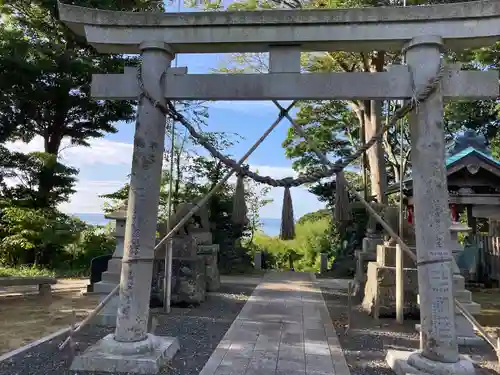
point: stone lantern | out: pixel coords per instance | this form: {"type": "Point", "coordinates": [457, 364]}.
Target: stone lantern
{"type": "Point", "coordinates": [111, 278]}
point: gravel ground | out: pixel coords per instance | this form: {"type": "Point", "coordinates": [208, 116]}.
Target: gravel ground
{"type": "Point", "coordinates": [365, 344]}
{"type": "Point", "coordinates": [199, 330]}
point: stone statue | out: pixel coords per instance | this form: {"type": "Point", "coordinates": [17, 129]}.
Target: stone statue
{"type": "Point", "coordinates": [198, 222]}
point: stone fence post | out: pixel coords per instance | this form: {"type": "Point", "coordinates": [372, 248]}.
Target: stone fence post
{"type": "Point", "coordinates": [323, 262]}
{"type": "Point", "coordinates": [257, 259]}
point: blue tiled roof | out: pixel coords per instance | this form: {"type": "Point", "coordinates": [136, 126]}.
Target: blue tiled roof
{"type": "Point", "coordinates": [469, 150]}
{"type": "Point", "coordinates": [449, 161]}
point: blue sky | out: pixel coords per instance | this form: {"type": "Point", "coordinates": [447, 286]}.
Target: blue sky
{"type": "Point", "coordinates": [105, 165]}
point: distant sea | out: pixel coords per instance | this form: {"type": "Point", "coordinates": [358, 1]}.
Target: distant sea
{"type": "Point", "coordinates": [270, 227]}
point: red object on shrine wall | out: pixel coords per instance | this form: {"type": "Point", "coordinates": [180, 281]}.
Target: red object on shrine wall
{"type": "Point", "coordinates": [454, 213]}
{"type": "Point", "coordinates": [410, 215]}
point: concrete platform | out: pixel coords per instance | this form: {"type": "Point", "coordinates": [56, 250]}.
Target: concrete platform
{"type": "Point", "coordinates": [284, 328]}
{"type": "Point", "coordinates": [145, 357]}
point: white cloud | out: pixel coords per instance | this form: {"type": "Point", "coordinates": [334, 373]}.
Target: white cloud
{"type": "Point", "coordinates": [101, 151]}
{"type": "Point", "coordinates": [113, 159]}
{"type": "Point", "coordinates": [86, 200]}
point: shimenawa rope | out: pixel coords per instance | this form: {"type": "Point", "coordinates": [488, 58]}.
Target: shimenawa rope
{"type": "Point", "coordinates": [312, 177]}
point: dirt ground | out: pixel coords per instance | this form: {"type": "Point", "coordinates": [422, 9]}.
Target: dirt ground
{"type": "Point", "coordinates": [26, 318]}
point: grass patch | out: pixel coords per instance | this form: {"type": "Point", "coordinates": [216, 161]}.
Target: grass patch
{"type": "Point", "coordinates": [34, 271]}
{"type": "Point", "coordinates": [25, 271]}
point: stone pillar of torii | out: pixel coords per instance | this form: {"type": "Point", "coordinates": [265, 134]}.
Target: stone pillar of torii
{"type": "Point", "coordinates": [421, 32]}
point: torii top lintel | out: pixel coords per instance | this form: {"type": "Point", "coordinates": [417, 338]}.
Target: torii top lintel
{"type": "Point", "coordinates": [461, 25]}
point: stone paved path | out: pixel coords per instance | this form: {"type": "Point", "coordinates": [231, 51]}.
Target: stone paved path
{"type": "Point", "coordinates": [283, 329]}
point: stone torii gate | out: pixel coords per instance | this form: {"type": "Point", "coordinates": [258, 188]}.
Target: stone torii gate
{"type": "Point", "coordinates": [421, 32]}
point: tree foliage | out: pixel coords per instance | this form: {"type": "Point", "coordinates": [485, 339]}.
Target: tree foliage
{"type": "Point", "coordinates": [45, 72]}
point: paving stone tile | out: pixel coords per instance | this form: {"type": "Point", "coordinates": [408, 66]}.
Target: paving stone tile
{"type": "Point", "coordinates": [264, 360]}
{"type": "Point", "coordinates": [290, 372]}
{"type": "Point", "coordinates": [315, 335]}
{"type": "Point", "coordinates": [269, 328]}
{"type": "Point", "coordinates": [230, 370]}
{"type": "Point", "coordinates": [235, 361]}
{"type": "Point", "coordinates": [292, 328]}
{"type": "Point", "coordinates": [292, 339]}
{"type": "Point", "coordinates": [319, 363]}
{"type": "Point", "coordinates": [289, 365]}
{"type": "Point", "coordinates": [291, 352]}
{"type": "Point", "coordinates": [317, 347]}
{"type": "Point", "coordinates": [284, 329]}
{"type": "Point", "coordinates": [244, 350]}
{"type": "Point", "coordinates": [312, 323]}
{"type": "Point", "coordinates": [253, 371]}
{"type": "Point", "coordinates": [265, 343]}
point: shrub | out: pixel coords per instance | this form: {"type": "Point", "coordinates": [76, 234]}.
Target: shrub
{"type": "Point", "coordinates": [40, 241]}
{"type": "Point", "coordinates": [312, 238]}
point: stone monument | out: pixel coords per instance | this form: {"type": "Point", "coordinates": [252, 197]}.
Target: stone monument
{"type": "Point", "coordinates": [465, 331]}
{"type": "Point", "coordinates": [207, 249]}
{"type": "Point", "coordinates": [111, 277]}
{"type": "Point", "coordinates": [189, 278]}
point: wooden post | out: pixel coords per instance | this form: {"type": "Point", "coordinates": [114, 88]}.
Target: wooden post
{"type": "Point", "coordinates": [399, 285]}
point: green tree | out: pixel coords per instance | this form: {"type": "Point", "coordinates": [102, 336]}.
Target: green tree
{"type": "Point", "coordinates": [31, 170]}
{"type": "Point", "coordinates": [45, 72]}
{"type": "Point", "coordinates": [35, 236]}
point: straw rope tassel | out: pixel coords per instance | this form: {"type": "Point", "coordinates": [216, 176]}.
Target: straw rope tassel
{"type": "Point", "coordinates": [239, 215]}
{"type": "Point", "coordinates": [342, 206]}
{"type": "Point", "coordinates": [287, 223]}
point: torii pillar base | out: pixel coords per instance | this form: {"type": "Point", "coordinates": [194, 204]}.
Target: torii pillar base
{"type": "Point", "coordinates": [413, 363]}
{"type": "Point", "coordinates": [143, 357]}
